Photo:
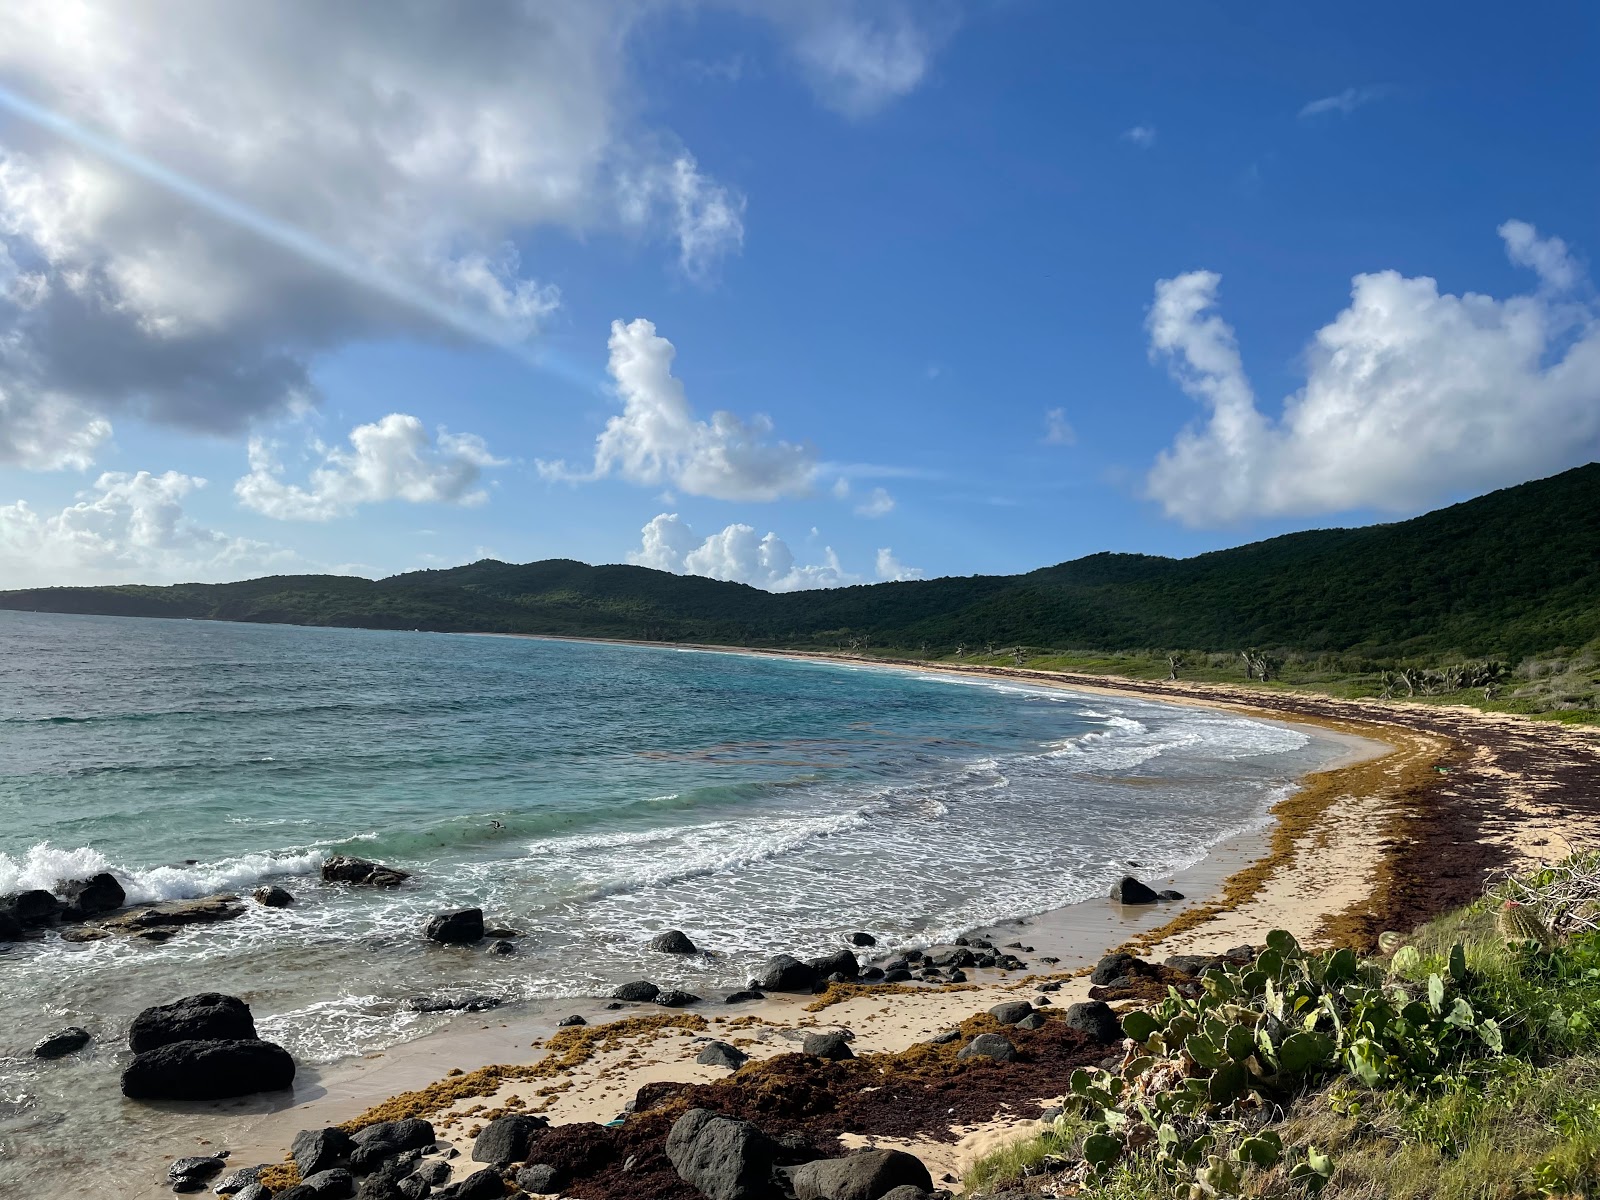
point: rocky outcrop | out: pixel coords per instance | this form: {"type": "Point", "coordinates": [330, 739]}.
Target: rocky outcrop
{"type": "Point", "coordinates": [11, 929]}
{"type": "Point", "coordinates": [840, 963]}
{"type": "Point", "coordinates": [1129, 890]}
{"type": "Point", "coordinates": [208, 1070]}
{"type": "Point", "coordinates": [343, 868]}
{"type": "Point", "coordinates": [507, 1139]}
{"type": "Point", "coordinates": [864, 1175]}
{"type": "Point", "coordinates": [832, 1044]}
{"type": "Point", "coordinates": [988, 1045]}
{"type": "Point", "coordinates": [84, 898]}
{"type": "Point", "coordinates": [724, 1158]}
{"type": "Point", "coordinates": [640, 990]}
{"type": "Point", "coordinates": [58, 1045]}
{"type": "Point", "coordinates": [673, 941]}
{"type": "Point", "coordinates": [1094, 1019]}
{"type": "Point", "coordinates": [461, 927]}
{"type": "Point", "coordinates": [316, 1150]}
{"type": "Point", "coordinates": [377, 1143]}
{"type": "Point", "coordinates": [481, 1185]}
{"type": "Point", "coordinates": [162, 918]}
{"type": "Point", "coordinates": [273, 897]}
{"type": "Point", "coordinates": [673, 998]}
{"type": "Point", "coordinates": [786, 973]}
{"type": "Point", "coordinates": [471, 1004]}
{"type": "Point", "coordinates": [207, 1016]}
{"type": "Point", "coordinates": [190, 1174]}
{"type": "Point", "coordinates": [237, 1181]}
{"type": "Point", "coordinates": [33, 908]}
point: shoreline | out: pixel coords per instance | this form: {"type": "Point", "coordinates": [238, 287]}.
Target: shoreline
{"type": "Point", "coordinates": [882, 1019]}
{"type": "Point", "coordinates": [1458, 792]}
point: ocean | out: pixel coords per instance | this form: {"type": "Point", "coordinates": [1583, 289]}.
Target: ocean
{"type": "Point", "coordinates": [587, 795]}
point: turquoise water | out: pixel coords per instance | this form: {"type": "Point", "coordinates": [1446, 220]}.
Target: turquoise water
{"type": "Point", "coordinates": [587, 795]}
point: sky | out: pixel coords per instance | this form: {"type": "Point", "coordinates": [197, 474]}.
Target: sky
{"type": "Point", "coordinates": [799, 293]}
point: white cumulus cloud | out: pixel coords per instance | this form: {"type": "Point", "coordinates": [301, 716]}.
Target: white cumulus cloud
{"type": "Point", "coordinates": [879, 504]}
{"type": "Point", "coordinates": [1412, 396]}
{"type": "Point", "coordinates": [736, 553]}
{"type": "Point", "coordinates": [391, 459]}
{"type": "Point", "coordinates": [657, 439]}
{"type": "Point", "coordinates": [862, 55]}
{"type": "Point", "coordinates": [127, 528]}
{"type": "Point", "coordinates": [892, 570]}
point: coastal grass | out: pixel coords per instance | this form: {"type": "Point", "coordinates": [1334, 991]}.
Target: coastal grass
{"type": "Point", "coordinates": [1519, 1125]}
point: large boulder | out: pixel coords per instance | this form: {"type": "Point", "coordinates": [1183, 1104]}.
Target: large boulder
{"type": "Point", "coordinates": [540, 1179]}
{"type": "Point", "coordinates": [461, 927]}
{"type": "Point", "coordinates": [673, 941]}
{"type": "Point", "coordinates": [209, 1070]}
{"type": "Point", "coordinates": [316, 1150]}
{"type": "Point", "coordinates": [190, 1174]}
{"type": "Point", "coordinates": [237, 1181]}
{"type": "Point", "coordinates": [90, 897]}
{"type": "Point", "coordinates": [32, 908]}
{"type": "Point", "coordinates": [345, 868]}
{"type": "Point", "coordinates": [640, 990]}
{"type": "Point", "coordinates": [481, 1185]}
{"type": "Point", "coordinates": [1096, 1020]}
{"type": "Point", "coordinates": [1129, 890]}
{"type": "Point", "coordinates": [988, 1045]}
{"type": "Point", "coordinates": [721, 1054]}
{"type": "Point", "coordinates": [59, 1044]}
{"type": "Point", "coordinates": [863, 939]}
{"type": "Point", "coordinates": [207, 1016]}
{"type": "Point", "coordinates": [724, 1158]}
{"type": "Point", "coordinates": [786, 973]}
{"type": "Point", "coordinates": [840, 963]}
{"type": "Point", "coordinates": [376, 1144]}
{"type": "Point", "coordinates": [834, 1044]}
{"type": "Point", "coordinates": [864, 1175]}
{"type": "Point", "coordinates": [1011, 1011]}
{"type": "Point", "coordinates": [507, 1139]}
{"type": "Point", "coordinates": [10, 928]}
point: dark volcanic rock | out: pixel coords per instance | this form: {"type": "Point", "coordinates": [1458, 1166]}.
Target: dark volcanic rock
{"type": "Point", "coordinates": [1011, 1011]}
{"type": "Point", "coordinates": [481, 1185]}
{"type": "Point", "coordinates": [388, 1181]}
{"type": "Point", "coordinates": [90, 897]}
{"type": "Point", "coordinates": [333, 1184]}
{"type": "Point", "coordinates": [316, 1150]}
{"type": "Point", "coordinates": [676, 999]}
{"type": "Point", "coordinates": [434, 1173]}
{"type": "Point", "coordinates": [786, 973]}
{"type": "Point", "coordinates": [640, 990]}
{"type": "Point", "coordinates": [274, 897]}
{"type": "Point", "coordinates": [433, 1004]}
{"type": "Point", "coordinates": [59, 1044]}
{"type": "Point", "coordinates": [1112, 966]}
{"type": "Point", "coordinates": [569, 1022]}
{"type": "Point", "coordinates": [841, 962]}
{"type": "Point", "coordinates": [500, 946]}
{"type": "Point", "coordinates": [833, 1044]}
{"type": "Point", "coordinates": [237, 1181]}
{"type": "Point", "coordinates": [206, 1016]}
{"type": "Point", "coordinates": [1169, 894]}
{"type": "Point", "coordinates": [190, 1174]}
{"type": "Point", "coordinates": [540, 1179]}
{"type": "Point", "coordinates": [462, 927]}
{"type": "Point", "coordinates": [946, 1037]}
{"type": "Point", "coordinates": [1192, 964]}
{"type": "Point", "coordinates": [988, 1045]}
{"type": "Point", "coordinates": [378, 1143]}
{"type": "Point", "coordinates": [1095, 1018]}
{"type": "Point", "coordinates": [898, 975]}
{"type": "Point", "coordinates": [1032, 1021]}
{"type": "Point", "coordinates": [343, 868]}
{"type": "Point", "coordinates": [721, 1054]}
{"type": "Point", "coordinates": [507, 1139]}
{"type": "Point", "coordinates": [252, 1191]}
{"type": "Point", "coordinates": [864, 1175]}
{"type": "Point", "coordinates": [1129, 890]}
{"type": "Point", "coordinates": [744, 995]}
{"type": "Point", "coordinates": [674, 941]}
{"type": "Point", "coordinates": [32, 908]}
{"type": "Point", "coordinates": [863, 939]}
{"type": "Point", "coordinates": [178, 914]}
{"type": "Point", "coordinates": [10, 928]}
{"type": "Point", "coordinates": [724, 1158]}
{"type": "Point", "coordinates": [209, 1070]}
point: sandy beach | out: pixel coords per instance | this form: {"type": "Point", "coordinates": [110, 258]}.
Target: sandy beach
{"type": "Point", "coordinates": [1424, 805]}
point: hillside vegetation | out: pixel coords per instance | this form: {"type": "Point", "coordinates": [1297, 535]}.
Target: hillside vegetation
{"type": "Point", "coordinates": [1511, 574]}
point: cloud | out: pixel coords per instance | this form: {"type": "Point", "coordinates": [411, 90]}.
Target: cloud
{"type": "Point", "coordinates": [1058, 431]}
{"type": "Point", "coordinates": [892, 570]}
{"type": "Point", "coordinates": [1142, 136]}
{"type": "Point", "coordinates": [861, 56]}
{"type": "Point", "coordinates": [1413, 397]}
{"type": "Point", "coordinates": [204, 199]}
{"type": "Point", "coordinates": [1345, 102]}
{"type": "Point", "coordinates": [736, 553]}
{"type": "Point", "coordinates": [657, 439]}
{"type": "Point", "coordinates": [391, 459]}
{"type": "Point", "coordinates": [878, 504]}
{"type": "Point", "coordinates": [127, 528]}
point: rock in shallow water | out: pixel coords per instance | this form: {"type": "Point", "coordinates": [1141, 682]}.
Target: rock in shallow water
{"type": "Point", "coordinates": [1129, 890]}
{"type": "Point", "coordinates": [274, 897]}
{"type": "Point", "coordinates": [471, 1004]}
{"type": "Point", "coordinates": [461, 927]}
{"type": "Point", "coordinates": [190, 1174]}
{"type": "Point", "coordinates": [344, 868]}
{"type": "Point", "coordinates": [673, 941]}
{"type": "Point", "coordinates": [206, 1016]}
{"type": "Point", "coordinates": [208, 1070]}
{"type": "Point", "coordinates": [90, 897]}
{"type": "Point", "coordinates": [63, 1043]}
{"type": "Point", "coordinates": [640, 990]}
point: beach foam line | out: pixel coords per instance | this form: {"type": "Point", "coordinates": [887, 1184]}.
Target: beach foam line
{"type": "Point", "coordinates": [44, 866]}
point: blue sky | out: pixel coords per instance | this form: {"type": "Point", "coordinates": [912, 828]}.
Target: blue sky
{"type": "Point", "coordinates": [984, 286]}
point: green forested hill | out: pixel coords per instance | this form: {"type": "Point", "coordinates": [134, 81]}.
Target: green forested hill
{"type": "Point", "coordinates": [1512, 573]}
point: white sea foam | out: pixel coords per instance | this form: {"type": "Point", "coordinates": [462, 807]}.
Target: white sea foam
{"type": "Point", "coordinates": [44, 866]}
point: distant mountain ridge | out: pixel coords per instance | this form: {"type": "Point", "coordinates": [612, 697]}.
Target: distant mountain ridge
{"type": "Point", "coordinates": [1511, 573]}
